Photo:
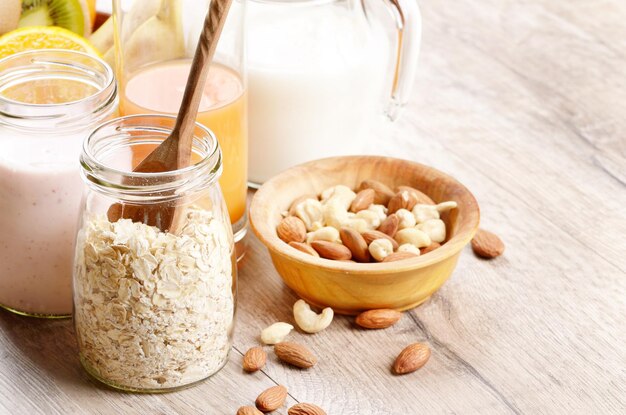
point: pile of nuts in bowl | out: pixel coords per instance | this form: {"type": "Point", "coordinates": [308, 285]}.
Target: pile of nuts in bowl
{"type": "Point", "coordinates": [373, 224]}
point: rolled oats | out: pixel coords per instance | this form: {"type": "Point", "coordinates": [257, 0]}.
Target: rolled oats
{"type": "Point", "coordinates": [154, 310]}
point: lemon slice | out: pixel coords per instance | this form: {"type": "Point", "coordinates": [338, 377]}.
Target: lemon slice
{"type": "Point", "coordinates": [43, 37]}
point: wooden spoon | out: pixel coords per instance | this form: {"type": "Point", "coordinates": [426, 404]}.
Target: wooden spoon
{"type": "Point", "coordinates": [174, 153]}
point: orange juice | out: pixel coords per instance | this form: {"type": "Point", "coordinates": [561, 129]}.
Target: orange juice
{"type": "Point", "coordinates": [159, 89]}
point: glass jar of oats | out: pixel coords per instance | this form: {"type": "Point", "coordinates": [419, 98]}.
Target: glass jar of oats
{"type": "Point", "coordinates": [154, 274]}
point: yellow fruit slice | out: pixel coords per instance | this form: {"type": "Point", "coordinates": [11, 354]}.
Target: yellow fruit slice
{"type": "Point", "coordinates": [43, 37]}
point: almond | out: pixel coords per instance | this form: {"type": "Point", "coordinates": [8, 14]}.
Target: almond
{"type": "Point", "coordinates": [390, 225]}
{"type": "Point", "coordinates": [430, 248]}
{"type": "Point", "coordinates": [383, 192]}
{"type": "Point", "coordinates": [411, 358]}
{"type": "Point", "coordinates": [363, 200]}
{"type": "Point", "coordinates": [422, 198]}
{"type": "Point", "coordinates": [378, 319]}
{"type": "Point", "coordinates": [254, 359]}
{"type": "Point", "coordinates": [291, 229]}
{"type": "Point", "coordinates": [399, 256]}
{"type": "Point", "coordinates": [271, 399]}
{"type": "Point", "coordinates": [331, 250]}
{"type": "Point", "coordinates": [371, 236]}
{"type": "Point", "coordinates": [295, 354]}
{"type": "Point", "coordinates": [487, 245]}
{"type": "Point", "coordinates": [305, 409]}
{"type": "Point", "coordinates": [248, 410]}
{"type": "Point", "coordinates": [302, 247]}
{"type": "Point", "coordinates": [295, 203]}
{"type": "Point", "coordinates": [356, 244]}
{"type": "Point", "coordinates": [402, 200]}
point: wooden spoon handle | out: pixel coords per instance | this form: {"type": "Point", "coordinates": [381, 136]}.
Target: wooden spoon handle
{"type": "Point", "coordinates": [185, 122]}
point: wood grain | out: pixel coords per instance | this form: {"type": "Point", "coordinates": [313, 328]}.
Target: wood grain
{"type": "Point", "coordinates": [523, 101]}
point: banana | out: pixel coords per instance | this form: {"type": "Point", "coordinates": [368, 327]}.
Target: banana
{"type": "Point", "coordinates": [159, 38]}
{"type": "Point", "coordinates": [152, 31]}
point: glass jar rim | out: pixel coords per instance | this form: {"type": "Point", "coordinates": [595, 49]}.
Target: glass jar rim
{"type": "Point", "coordinates": [31, 64]}
{"type": "Point", "coordinates": [148, 187]}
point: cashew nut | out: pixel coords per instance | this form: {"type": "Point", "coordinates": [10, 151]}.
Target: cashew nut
{"type": "Point", "coordinates": [310, 211]}
{"type": "Point", "coordinates": [339, 195]}
{"type": "Point", "coordinates": [335, 215]}
{"type": "Point", "coordinates": [425, 212]}
{"type": "Point", "coordinates": [381, 211]}
{"type": "Point", "coordinates": [371, 217]}
{"type": "Point", "coordinates": [413, 236]}
{"type": "Point", "coordinates": [308, 320]}
{"type": "Point", "coordinates": [406, 219]}
{"type": "Point", "coordinates": [380, 248]}
{"type": "Point", "coordinates": [435, 229]}
{"type": "Point", "coordinates": [445, 206]}
{"type": "Point", "coordinates": [409, 248]}
{"type": "Point", "coordinates": [358, 224]}
{"type": "Point", "coordinates": [327, 233]}
{"type": "Point", "coordinates": [275, 333]}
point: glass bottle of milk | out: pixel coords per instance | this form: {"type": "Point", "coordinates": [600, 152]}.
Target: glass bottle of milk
{"type": "Point", "coordinates": [322, 74]}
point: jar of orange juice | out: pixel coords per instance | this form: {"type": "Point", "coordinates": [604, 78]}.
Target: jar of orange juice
{"type": "Point", "coordinates": [153, 56]}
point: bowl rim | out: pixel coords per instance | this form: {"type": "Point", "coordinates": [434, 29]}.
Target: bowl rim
{"type": "Point", "coordinates": [276, 246]}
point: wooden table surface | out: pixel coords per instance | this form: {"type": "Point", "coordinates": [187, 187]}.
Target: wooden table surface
{"type": "Point", "coordinates": [525, 103]}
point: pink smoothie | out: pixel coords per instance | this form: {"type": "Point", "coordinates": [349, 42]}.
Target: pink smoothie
{"type": "Point", "coordinates": [40, 192]}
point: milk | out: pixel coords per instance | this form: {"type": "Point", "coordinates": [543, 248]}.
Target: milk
{"type": "Point", "coordinates": [317, 78]}
{"type": "Point", "coordinates": [40, 192]}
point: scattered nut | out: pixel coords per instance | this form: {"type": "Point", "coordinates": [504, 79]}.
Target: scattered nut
{"type": "Point", "coordinates": [435, 229]}
{"type": "Point", "coordinates": [327, 233]}
{"type": "Point", "coordinates": [311, 213]}
{"type": "Point", "coordinates": [378, 319]}
{"type": "Point", "coordinates": [271, 399]}
{"type": "Point", "coordinates": [248, 410]}
{"type": "Point", "coordinates": [399, 256]}
{"type": "Point", "coordinates": [420, 196]}
{"type": "Point", "coordinates": [371, 236]}
{"type": "Point", "coordinates": [487, 245]}
{"type": "Point", "coordinates": [331, 250]}
{"type": "Point", "coordinates": [356, 244]}
{"type": "Point", "coordinates": [363, 200]}
{"type": "Point", "coordinates": [308, 320]}
{"type": "Point", "coordinates": [429, 248]}
{"type": "Point", "coordinates": [291, 229]}
{"type": "Point", "coordinates": [380, 248]}
{"type": "Point", "coordinates": [410, 248]}
{"type": "Point", "coordinates": [305, 409]}
{"type": "Point", "coordinates": [406, 219]}
{"type": "Point", "coordinates": [295, 354]}
{"type": "Point", "coordinates": [383, 192]}
{"type": "Point", "coordinates": [254, 359]}
{"type": "Point", "coordinates": [302, 247]}
{"type": "Point", "coordinates": [276, 333]}
{"type": "Point", "coordinates": [411, 358]}
{"type": "Point", "coordinates": [390, 225]}
{"type": "Point", "coordinates": [413, 236]}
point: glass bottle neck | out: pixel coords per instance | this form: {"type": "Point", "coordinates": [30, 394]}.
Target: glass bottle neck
{"type": "Point", "coordinates": [55, 90]}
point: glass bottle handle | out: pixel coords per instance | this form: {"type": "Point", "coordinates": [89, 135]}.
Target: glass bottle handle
{"type": "Point", "coordinates": [408, 21]}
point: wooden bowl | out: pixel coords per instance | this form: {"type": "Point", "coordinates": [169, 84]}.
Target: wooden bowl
{"type": "Point", "coordinates": [350, 288]}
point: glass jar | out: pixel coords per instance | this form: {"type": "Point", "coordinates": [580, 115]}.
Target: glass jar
{"type": "Point", "coordinates": [49, 102]}
{"type": "Point", "coordinates": [322, 75]}
{"type": "Point", "coordinates": [155, 44]}
{"type": "Point", "coordinates": [153, 309]}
